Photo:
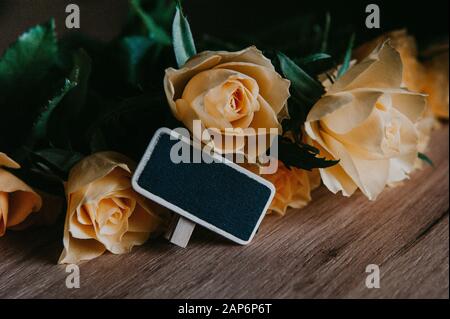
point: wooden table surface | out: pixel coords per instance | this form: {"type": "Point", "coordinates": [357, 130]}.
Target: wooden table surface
{"type": "Point", "coordinates": [320, 251]}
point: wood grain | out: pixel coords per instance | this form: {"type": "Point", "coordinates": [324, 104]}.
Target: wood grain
{"type": "Point", "coordinates": [320, 251]}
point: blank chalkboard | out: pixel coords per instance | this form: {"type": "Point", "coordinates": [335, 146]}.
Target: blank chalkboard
{"type": "Point", "coordinates": [221, 196]}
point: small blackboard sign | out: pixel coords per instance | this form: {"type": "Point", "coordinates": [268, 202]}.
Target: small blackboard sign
{"type": "Point", "coordinates": [215, 193]}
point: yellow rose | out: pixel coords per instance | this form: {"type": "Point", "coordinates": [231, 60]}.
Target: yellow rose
{"type": "Point", "coordinates": [17, 200]}
{"type": "Point", "coordinates": [413, 78]}
{"type": "Point", "coordinates": [227, 90]}
{"type": "Point", "coordinates": [103, 211]}
{"type": "Point", "coordinates": [436, 84]}
{"type": "Point", "coordinates": [405, 44]}
{"type": "Point", "coordinates": [417, 78]}
{"type": "Point", "coordinates": [430, 77]}
{"type": "Point", "coordinates": [293, 187]}
{"type": "Point", "coordinates": [367, 122]}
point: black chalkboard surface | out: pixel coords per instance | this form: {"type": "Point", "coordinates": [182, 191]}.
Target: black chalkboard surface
{"type": "Point", "coordinates": [220, 196]}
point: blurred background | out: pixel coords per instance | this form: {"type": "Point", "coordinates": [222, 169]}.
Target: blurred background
{"type": "Point", "coordinates": [231, 19]}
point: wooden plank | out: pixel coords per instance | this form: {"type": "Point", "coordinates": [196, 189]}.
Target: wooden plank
{"type": "Point", "coordinates": [320, 251]}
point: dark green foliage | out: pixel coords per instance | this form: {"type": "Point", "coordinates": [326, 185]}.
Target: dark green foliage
{"type": "Point", "coordinates": [347, 58]}
{"type": "Point", "coordinates": [301, 155]}
{"type": "Point", "coordinates": [183, 42]}
{"type": "Point", "coordinates": [61, 100]}
{"type": "Point", "coordinates": [425, 158]}
{"type": "Point", "coordinates": [24, 68]}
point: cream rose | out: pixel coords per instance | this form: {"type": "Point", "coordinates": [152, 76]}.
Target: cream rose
{"type": "Point", "coordinates": [416, 77]}
{"type": "Point", "coordinates": [405, 44]}
{"type": "Point", "coordinates": [367, 122]}
{"type": "Point", "coordinates": [17, 200]}
{"type": "Point", "coordinates": [103, 211]}
{"type": "Point", "coordinates": [236, 90]}
{"type": "Point", "coordinates": [430, 77]}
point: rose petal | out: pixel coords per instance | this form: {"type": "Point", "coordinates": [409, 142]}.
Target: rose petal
{"type": "Point", "coordinates": [4, 205]}
{"type": "Point", "coordinates": [337, 180]}
{"type": "Point", "coordinates": [293, 188]}
{"type": "Point", "coordinates": [207, 88]}
{"type": "Point", "coordinates": [21, 204]}
{"type": "Point", "coordinates": [265, 117]}
{"type": "Point", "coordinates": [381, 69]}
{"type": "Point", "coordinates": [7, 161]}
{"type": "Point", "coordinates": [22, 200]}
{"type": "Point", "coordinates": [176, 80]}
{"type": "Point", "coordinates": [342, 113]}
{"type": "Point", "coordinates": [248, 55]}
{"type": "Point", "coordinates": [411, 104]}
{"type": "Point", "coordinates": [95, 167]}
{"type": "Point", "coordinates": [81, 231]}
{"type": "Point", "coordinates": [400, 167]}
{"type": "Point", "coordinates": [273, 88]}
{"type": "Point", "coordinates": [76, 250]}
{"type": "Point", "coordinates": [143, 220]}
{"type": "Point", "coordinates": [436, 84]}
{"type": "Point", "coordinates": [369, 175]}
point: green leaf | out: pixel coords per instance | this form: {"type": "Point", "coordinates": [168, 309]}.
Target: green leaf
{"type": "Point", "coordinates": [66, 115]}
{"type": "Point", "coordinates": [347, 58]}
{"type": "Point", "coordinates": [316, 63]}
{"type": "Point", "coordinates": [30, 57]}
{"type": "Point", "coordinates": [326, 32]}
{"type": "Point", "coordinates": [425, 158]}
{"type": "Point", "coordinates": [39, 130]}
{"type": "Point", "coordinates": [81, 72]}
{"type": "Point", "coordinates": [27, 82]}
{"type": "Point", "coordinates": [306, 92]}
{"type": "Point", "coordinates": [163, 11]}
{"type": "Point", "coordinates": [213, 43]}
{"type": "Point", "coordinates": [301, 156]}
{"type": "Point", "coordinates": [310, 148]}
{"type": "Point", "coordinates": [155, 31]}
{"type": "Point", "coordinates": [59, 161]}
{"type": "Point", "coordinates": [298, 111]}
{"type": "Point", "coordinates": [134, 49]}
{"type": "Point", "coordinates": [316, 57]}
{"type": "Point", "coordinates": [183, 42]}
{"type": "Point", "coordinates": [127, 126]}
{"type": "Point", "coordinates": [304, 85]}
{"type": "Point", "coordinates": [98, 141]}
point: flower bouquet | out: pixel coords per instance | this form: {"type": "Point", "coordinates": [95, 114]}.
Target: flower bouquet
{"type": "Point", "coordinates": [77, 114]}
